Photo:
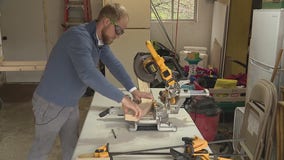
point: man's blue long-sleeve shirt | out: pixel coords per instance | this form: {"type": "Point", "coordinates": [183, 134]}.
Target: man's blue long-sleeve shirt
{"type": "Point", "coordinates": [72, 67]}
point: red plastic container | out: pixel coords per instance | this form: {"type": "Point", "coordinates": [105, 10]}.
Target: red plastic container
{"type": "Point", "coordinates": [205, 113]}
{"type": "Point", "coordinates": [207, 124]}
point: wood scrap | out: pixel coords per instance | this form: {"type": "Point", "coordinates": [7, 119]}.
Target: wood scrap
{"type": "Point", "coordinates": [145, 105]}
{"type": "Point", "coordinates": [144, 87]}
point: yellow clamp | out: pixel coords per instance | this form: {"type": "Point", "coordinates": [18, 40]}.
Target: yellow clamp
{"type": "Point", "coordinates": [100, 153]}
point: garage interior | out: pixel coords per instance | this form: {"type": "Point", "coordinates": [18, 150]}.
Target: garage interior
{"type": "Point", "coordinates": [222, 34]}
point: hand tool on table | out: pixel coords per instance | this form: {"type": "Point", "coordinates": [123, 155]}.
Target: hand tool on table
{"type": "Point", "coordinates": [112, 111]}
{"type": "Point", "coordinates": [194, 149]}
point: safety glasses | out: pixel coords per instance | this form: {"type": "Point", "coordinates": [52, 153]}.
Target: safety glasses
{"type": "Point", "coordinates": [118, 30]}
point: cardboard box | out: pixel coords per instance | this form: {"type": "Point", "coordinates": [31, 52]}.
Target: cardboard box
{"type": "Point", "coordinates": [228, 94]}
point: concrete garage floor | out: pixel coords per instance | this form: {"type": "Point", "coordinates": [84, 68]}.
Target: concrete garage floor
{"type": "Point", "coordinates": [17, 123]}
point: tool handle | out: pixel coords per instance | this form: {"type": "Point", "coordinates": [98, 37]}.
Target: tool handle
{"type": "Point", "coordinates": [105, 112]}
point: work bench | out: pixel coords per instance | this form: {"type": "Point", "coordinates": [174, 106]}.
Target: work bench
{"type": "Point", "coordinates": [97, 131]}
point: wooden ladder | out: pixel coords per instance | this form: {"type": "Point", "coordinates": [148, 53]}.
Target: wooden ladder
{"type": "Point", "coordinates": [76, 12]}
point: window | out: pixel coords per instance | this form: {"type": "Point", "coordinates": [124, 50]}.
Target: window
{"type": "Point", "coordinates": [167, 9]}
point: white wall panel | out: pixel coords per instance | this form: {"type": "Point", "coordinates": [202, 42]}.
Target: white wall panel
{"type": "Point", "coordinates": [125, 49]}
{"type": "Point", "coordinates": [138, 10]}
{"type": "Point", "coordinates": [32, 27]}
{"type": "Point", "coordinates": [23, 27]}
{"type": "Point", "coordinates": [133, 41]}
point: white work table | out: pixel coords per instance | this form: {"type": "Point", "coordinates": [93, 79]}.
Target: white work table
{"type": "Point", "coordinates": [97, 132]}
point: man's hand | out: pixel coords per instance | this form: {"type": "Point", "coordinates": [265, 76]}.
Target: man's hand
{"type": "Point", "coordinates": [128, 104]}
{"type": "Point", "coordinates": [137, 95]}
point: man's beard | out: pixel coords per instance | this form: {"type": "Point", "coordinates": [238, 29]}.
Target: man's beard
{"type": "Point", "coordinates": [105, 38]}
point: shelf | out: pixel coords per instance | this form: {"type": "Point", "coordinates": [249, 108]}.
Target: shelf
{"type": "Point", "coordinates": [22, 65]}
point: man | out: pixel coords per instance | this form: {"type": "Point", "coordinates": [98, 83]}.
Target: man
{"type": "Point", "coordinates": [71, 68]}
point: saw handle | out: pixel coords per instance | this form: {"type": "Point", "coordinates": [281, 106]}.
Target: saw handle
{"type": "Point", "coordinates": [105, 112]}
{"type": "Point", "coordinates": [166, 73]}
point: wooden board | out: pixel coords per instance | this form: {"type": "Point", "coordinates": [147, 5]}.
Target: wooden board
{"type": "Point", "coordinates": [146, 104]}
{"type": "Point", "coordinates": [280, 130]}
{"type": "Point", "coordinates": [144, 87]}
{"type": "Point", "coordinates": [22, 65]}
{"type": "Point", "coordinates": [146, 107]}
{"type": "Point", "coordinates": [216, 54]}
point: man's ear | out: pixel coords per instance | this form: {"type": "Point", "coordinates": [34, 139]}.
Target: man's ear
{"type": "Point", "coordinates": [106, 21]}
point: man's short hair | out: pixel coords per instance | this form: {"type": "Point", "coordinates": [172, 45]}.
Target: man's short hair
{"type": "Point", "coordinates": [114, 11]}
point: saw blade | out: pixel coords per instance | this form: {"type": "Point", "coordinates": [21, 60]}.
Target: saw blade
{"type": "Point", "coordinates": [139, 69]}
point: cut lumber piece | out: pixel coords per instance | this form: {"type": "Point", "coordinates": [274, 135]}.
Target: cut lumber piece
{"type": "Point", "coordinates": [144, 87]}
{"type": "Point", "coordinates": [146, 108]}
{"type": "Point", "coordinates": [146, 104]}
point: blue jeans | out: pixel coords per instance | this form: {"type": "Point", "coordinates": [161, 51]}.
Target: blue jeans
{"type": "Point", "coordinates": [52, 120]}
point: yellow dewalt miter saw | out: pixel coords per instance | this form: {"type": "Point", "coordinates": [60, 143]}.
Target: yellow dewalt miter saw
{"type": "Point", "coordinates": [150, 67]}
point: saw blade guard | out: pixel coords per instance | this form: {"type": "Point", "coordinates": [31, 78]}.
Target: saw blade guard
{"type": "Point", "coordinates": [144, 67]}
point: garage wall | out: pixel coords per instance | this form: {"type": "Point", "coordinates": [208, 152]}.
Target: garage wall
{"type": "Point", "coordinates": [189, 33]}
{"type": "Point", "coordinates": [33, 26]}
{"type": "Point", "coordinates": [30, 28]}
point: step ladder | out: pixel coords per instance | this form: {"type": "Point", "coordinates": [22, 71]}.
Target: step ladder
{"type": "Point", "coordinates": [1, 50]}
{"type": "Point", "coordinates": [76, 12]}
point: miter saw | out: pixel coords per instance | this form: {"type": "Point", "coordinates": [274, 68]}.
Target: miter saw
{"type": "Point", "coordinates": [149, 67]}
